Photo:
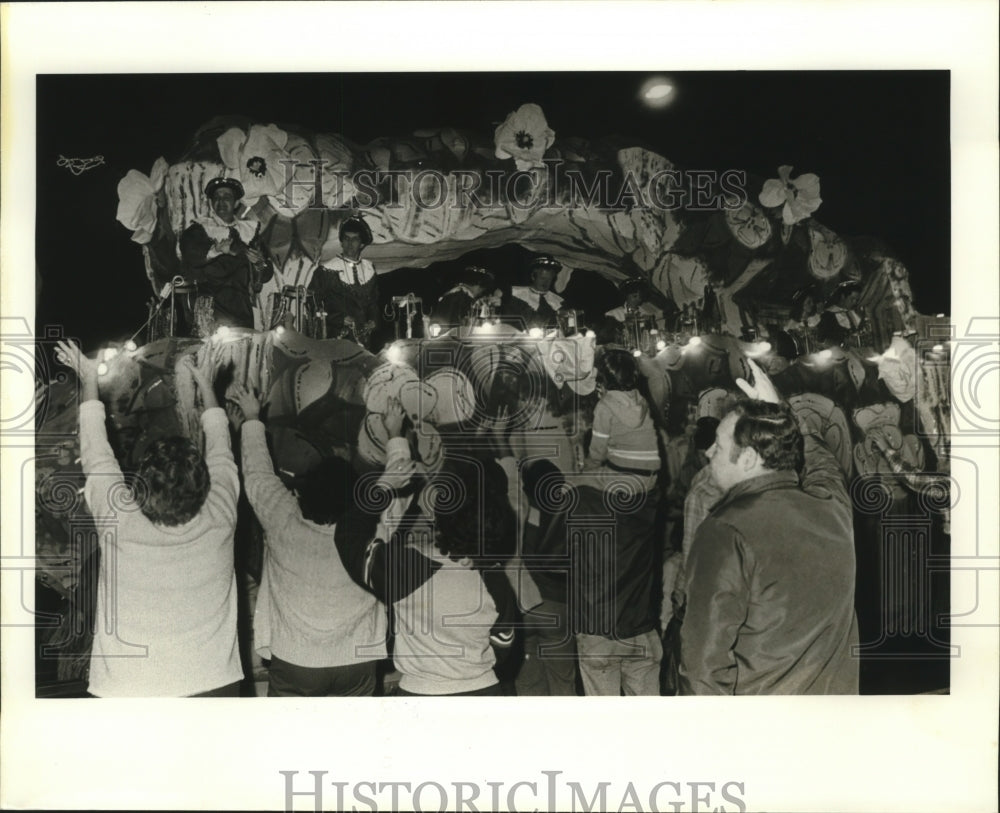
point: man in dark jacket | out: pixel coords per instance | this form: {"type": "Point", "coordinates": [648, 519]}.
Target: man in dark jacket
{"type": "Point", "coordinates": [771, 576]}
{"type": "Point", "coordinates": [221, 253]}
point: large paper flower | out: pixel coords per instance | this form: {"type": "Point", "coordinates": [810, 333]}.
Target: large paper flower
{"type": "Point", "coordinates": [799, 198]}
{"type": "Point", "coordinates": [524, 136]}
{"type": "Point", "coordinates": [263, 162]}
{"type": "Point", "coordinates": [137, 200]}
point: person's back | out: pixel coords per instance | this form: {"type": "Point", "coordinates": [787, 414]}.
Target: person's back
{"type": "Point", "coordinates": [166, 604]}
{"type": "Point", "coordinates": [796, 554]}
{"type": "Point", "coordinates": [321, 631]}
{"type": "Point", "coordinates": [437, 563]}
{"type": "Point", "coordinates": [613, 610]}
{"type": "Point", "coordinates": [624, 436]}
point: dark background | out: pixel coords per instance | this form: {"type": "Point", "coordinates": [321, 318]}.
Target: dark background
{"type": "Point", "coordinates": [878, 140]}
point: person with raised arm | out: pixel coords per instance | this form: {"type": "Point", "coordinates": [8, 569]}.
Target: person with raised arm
{"type": "Point", "coordinates": [322, 633]}
{"type": "Point", "coordinates": [166, 600]}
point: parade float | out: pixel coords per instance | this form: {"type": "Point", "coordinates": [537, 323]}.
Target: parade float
{"type": "Point", "coordinates": [743, 265]}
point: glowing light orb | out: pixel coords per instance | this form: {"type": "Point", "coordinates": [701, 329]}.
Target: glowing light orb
{"type": "Point", "coordinates": [110, 353]}
{"type": "Point", "coordinates": [279, 330]}
{"type": "Point", "coordinates": [694, 341]}
{"type": "Point", "coordinates": [637, 353]}
{"type": "Point", "coordinates": [435, 331]}
{"type": "Point", "coordinates": [395, 354]}
{"type": "Point", "coordinates": [661, 345]}
{"type": "Point", "coordinates": [938, 348]}
{"type": "Point", "coordinates": [131, 346]}
{"type": "Point", "coordinates": [536, 333]}
{"type": "Point", "coordinates": [102, 369]}
{"type": "Point", "coordinates": [657, 92]}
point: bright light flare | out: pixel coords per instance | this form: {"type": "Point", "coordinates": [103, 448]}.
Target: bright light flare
{"type": "Point", "coordinates": [102, 369]}
{"type": "Point", "coordinates": [131, 346]}
{"type": "Point", "coordinates": [661, 345]}
{"type": "Point", "coordinates": [759, 349]}
{"type": "Point", "coordinates": [657, 92]}
{"type": "Point", "coordinates": [435, 330]}
{"type": "Point", "coordinates": [395, 354]}
{"type": "Point", "coordinates": [536, 333]}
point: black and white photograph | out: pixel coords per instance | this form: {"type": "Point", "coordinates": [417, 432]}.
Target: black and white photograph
{"type": "Point", "coordinates": [352, 389]}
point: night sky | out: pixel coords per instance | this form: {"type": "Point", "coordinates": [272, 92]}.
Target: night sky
{"type": "Point", "coordinates": [879, 142]}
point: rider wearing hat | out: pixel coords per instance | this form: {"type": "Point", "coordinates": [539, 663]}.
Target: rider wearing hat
{"type": "Point", "coordinates": [221, 253]}
{"type": "Point", "coordinates": [345, 287]}
{"type": "Point", "coordinates": [535, 305]}
{"type": "Point", "coordinates": [456, 305]}
{"type": "Point", "coordinates": [634, 304]}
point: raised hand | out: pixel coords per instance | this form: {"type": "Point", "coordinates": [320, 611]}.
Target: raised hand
{"type": "Point", "coordinates": [202, 375]}
{"type": "Point", "coordinates": [393, 418]}
{"type": "Point", "coordinates": [247, 402]}
{"type": "Point", "coordinates": [762, 389]}
{"type": "Point", "coordinates": [68, 353]}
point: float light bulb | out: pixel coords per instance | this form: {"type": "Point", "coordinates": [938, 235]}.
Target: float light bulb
{"type": "Point", "coordinates": [661, 345]}
{"type": "Point", "coordinates": [131, 346]}
{"type": "Point", "coordinates": [637, 353]}
{"type": "Point", "coordinates": [102, 369]}
{"type": "Point", "coordinates": [435, 331]}
{"type": "Point", "coordinates": [536, 333]}
{"type": "Point", "coordinates": [279, 330]}
{"type": "Point", "coordinates": [395, 354]}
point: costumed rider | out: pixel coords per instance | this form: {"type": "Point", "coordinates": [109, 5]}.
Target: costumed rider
{"type": "Point", "coordinates": [221, 254]}
{"type": "Point", "coordinates": [535, 305]}
{"type": "Point", "coordinates": [634, 293]}
{"type": "Point", "coordinates": [475, 287]}
{"type": "Point", "coordinates": [346, 288]}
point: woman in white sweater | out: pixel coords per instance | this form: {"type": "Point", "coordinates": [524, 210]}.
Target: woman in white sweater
{"type": "Point", "coordinates": [166, 602]}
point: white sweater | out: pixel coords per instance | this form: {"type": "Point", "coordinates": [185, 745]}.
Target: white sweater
{"type": "Point", "coordinates": [309, 610]}
{"type": "Point", "coordinates": [166, 602]}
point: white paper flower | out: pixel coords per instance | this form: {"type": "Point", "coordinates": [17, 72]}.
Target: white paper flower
{"type": "Point", "coordinates": [799, 198]}
{"type": "Point", "coordinates": [524, 136]}
{"type": "Point", "coordinates": [259, 160]}
{"type": "Point", "coordinates": [137, 205]}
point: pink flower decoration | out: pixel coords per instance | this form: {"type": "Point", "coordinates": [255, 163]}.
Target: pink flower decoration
{"type": "Point", "coordinates": [799, 198]}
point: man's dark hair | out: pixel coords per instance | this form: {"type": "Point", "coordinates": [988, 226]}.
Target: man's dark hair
{"type": "Point", "coordinates": [704, 432]}
{"type": "Point", "coordinates": [772, 431]}
{"type": "Point", "coordinates": [482, 525]}
{"type": "Point", "coordinates": [174, 481]}
{"type": "Point", "coordinates": [326, 491]}
{"type": "Point", "coordinates": [618, 370]}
